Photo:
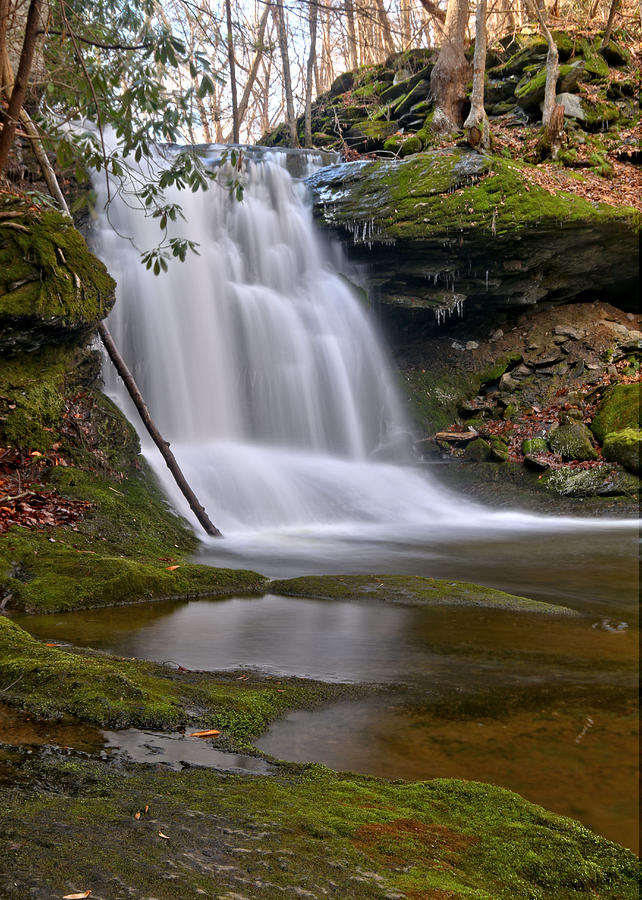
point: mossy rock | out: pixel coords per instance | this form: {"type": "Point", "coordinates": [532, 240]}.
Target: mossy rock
{"type": "Point", "coordinates": [366, 135]}
{"type": "Point", "coordinates": [529, 92]}
{"type": "Point", "coordinates": [434, 193]}
{"type": "Point", "coordinates": [615, 54]}
{"type": "Point", "coordinates": [624, 447]}
{"type": "Point", "coordinates": [478, 450]}
{"type": "Point", "coordinates": [49, 682]}
{"type": "Point", "coordinates": [52, 288]}
{"type": "Point", "coordinates": [618, 409]}
{"type": "Point", "coordinates": [532, 53]}
{"type": "Point", "coordinates": [342, 83]}
{"type": "Point", "coordinates": [410, 145]}
{"type": "Point", "coordinates": [534, 445]}
{"type": "Point", "coordinates": [597, 482]}
{"type": "Point", "coordinates": [572, 442]}
{"type": "Point", "coordinates": [301, 830]}
{"type": "Point", "coordinates": [600, 115]}
{"type": "Point", "coordinates": [409, 590]}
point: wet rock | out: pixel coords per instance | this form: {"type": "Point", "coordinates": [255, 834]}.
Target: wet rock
{"type": "Point", "coordinates": [624, 447]}
{"type": "Point", "coordinates": [507, 382]}
{"type": "Point", "coordinates": [478, 451]}
{"type": "Point", "coordinates": [547, 359]}
{"type": "Point", "coordinates": [600, 482]}
{"type": "Point", "coordinates": [534, 445]}
{"type": "Point", "coordinates": [572, 106]}
{"type": "Point", "coordinates": [472, 345]}
{"type": "Point", "coordinates": [497, 335]}
{"type": "Point", "coordinates": [536, 462]}
{"type": "Point", "coordinates": [572, 442]}
{"type": "Point", "coordinates": [570, 416]}
{"type": "Point", "coordinates": [618, 409]}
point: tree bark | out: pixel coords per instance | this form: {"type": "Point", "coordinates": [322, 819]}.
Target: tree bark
{"type": "Point", "coordinates": [163, 446]}
{"type": "Point", "coordinates": [21, 82]}
{"type": "Point", "coordinates": [451, 72]}
{"type": "Point", "coordinates": [552, 66]}
{"type": "Point", "coordinates": [287, 80]}
{"type": "Point", "coordinates": [384, 27]}
{"type": "Point", "coordinates": [313, 13]}
{"type": "Point", "coordinates": [476, 125]}
{"type": "Point", "coordinates": [610, 22]}
{"type": "Point", "coordinates": [352, 34]}
{"type": "Point", "coordinates": [256, 62]}
{"type": "Point", "coordinates": [230, 56]}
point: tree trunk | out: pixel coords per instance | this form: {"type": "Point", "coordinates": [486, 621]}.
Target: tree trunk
{"type": "Point", "coordinates": [313, 12]}
{"type": "Point", "coordinates": [163, 446]}
{"type": "Point", "coordinates": [553, 112]}
{"type": "Point", "coordinates": [610, 22]}
{"type": "Point", "coordinates": [384, 27]}
{"type": "Point", "coordinates": [254, 68]}
{"type": "Point", "coordinates": [476, 125]}
{"type": "Point", "coordinates": [21, 83]}
{"type": "Point", "coordinates": [451, 72]}
{"type": "Point", "coordinates": [287, 81]}
{"type": "Point", "coordinates": [353, 62]}
{"type": "Point", "coordinates": [230, 56]}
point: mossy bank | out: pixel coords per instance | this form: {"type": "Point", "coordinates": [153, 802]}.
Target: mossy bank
{"type": "Point", "coordinates": [305, 830]}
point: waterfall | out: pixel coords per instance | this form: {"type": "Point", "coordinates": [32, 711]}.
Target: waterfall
{"type": "Point", "coordinates": [263, 370]}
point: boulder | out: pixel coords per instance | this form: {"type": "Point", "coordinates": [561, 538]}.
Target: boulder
{"type": "Point", "coordinates": [619, 409]}
{"type": "Point", "coordinates": [572, 442]}
{"type": "Point", "coordinates": [624, 447]}
{"type": "Point", "coordinates": [572, 106]}
{"type": "Point", "coordinates": [478, 451]}
{"type": "Point", "coordinates": [534, 445]}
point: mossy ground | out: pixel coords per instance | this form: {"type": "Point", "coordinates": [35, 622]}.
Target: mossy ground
{"type": "Point", "coordinates": [411, 590]}
{"type": "Point", "coordinates": [130, 548]}
{"type": "Point", "coordinates": [51, 682]}
{"type": "Point", "coordinates": [307, 831]}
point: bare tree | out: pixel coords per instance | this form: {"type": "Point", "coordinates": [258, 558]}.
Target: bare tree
{"type": "Point", "coordinates": [610, 22]}
{"type": "Point", "coordinates": [312, 18]}
{"type": "Point", "coordinates": [287, 79]}
{"type": "Point", "coordinates": [553, 112]}
{"type": "Point", "coordinates": [476, 125]}
{"type": "Point", "coordinates": [451, 72]}
{"type": "Point", "coordinates": [230, 56]}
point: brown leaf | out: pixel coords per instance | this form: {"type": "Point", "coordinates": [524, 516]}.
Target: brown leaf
{"type": "Point", "coordinates": [171, 568]}
{"type": "Point", "coordinates": [164, 836]}
{"type": "Point", "coordinates": [79, 896]}
{"type": "Point", "coordinates": [137, 815]}
{"type": "Point", "coordinates": [211, 732]}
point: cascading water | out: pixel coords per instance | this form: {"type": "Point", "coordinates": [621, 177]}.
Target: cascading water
{"type": "Point", "coordinates": [262, 369]}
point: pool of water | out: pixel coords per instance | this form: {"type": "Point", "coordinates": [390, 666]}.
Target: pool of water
{"type": "Point", "coordinates": [544, 705]}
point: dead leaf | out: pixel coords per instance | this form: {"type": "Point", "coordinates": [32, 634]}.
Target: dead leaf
{"type": "Point", "coordinates": [79, 896]}
{"type": "Point", "coordinates": [137, 815]}
{"type": "Point", "coordinates": [211, 732]}
{"type": "Point", "coordinates": [171, 568]}
{"type": "Point", "coordinates": [146, 807]}
{"type": "Point", "coordinates": [164, 836]}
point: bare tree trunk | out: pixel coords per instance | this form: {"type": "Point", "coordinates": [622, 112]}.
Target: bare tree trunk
{"type": "Point", "coordinates": [230, 56]}
{"type": "Point", "coordinates": [21, 82]}
{"type": "Point", "coordinates": [435, 11]}
{"type": "Point", "coordinates": [476, 125]}
{"type": "Point", "coordinates": [451, 72]}
{"type": "Point", "coordinates": [553, 112]}
{"type": "Point", "coordinates": [287, 80]}
{"type": "Point", "coordinates": [163, 446]}
{"type": "Point", "coordinates": [254, 68]}
{"type": "Point", "coordinates": [313, 13]}
{"type": "Point", "coordinates": [610, 22]}
{"type": "Point", "coordinates": [352, 35]}
{"type": "Point", "coordinates": [384, 25]}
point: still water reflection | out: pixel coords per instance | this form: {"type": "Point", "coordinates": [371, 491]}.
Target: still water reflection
{"type": "Point", "coordinates": [543, 705]}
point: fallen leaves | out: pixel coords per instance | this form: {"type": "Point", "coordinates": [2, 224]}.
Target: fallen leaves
{"type": "Point", "coordinates": [78, 896]}
{"type": "Point", "coordinates": [210, 732]}
{"type": "Point", "coordinates": [164, 836]}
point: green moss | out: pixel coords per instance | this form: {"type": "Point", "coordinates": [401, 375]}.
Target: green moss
{"type": "Point", "coordinates": [48, 273]}
{"type": "Point", "coordinates": [410, 145]}
{"type": "Point", "coordinates": [305, 830]}
{"type": "Point", "coordinates": [409, 590]}
{"type": "Point", "coordinates": [392, 145]}
{"type": "Point", "coordinates": [49, 682]}
{"type": "Point", "coordinates": [572, 442]}
{"type": "Point", "coordinates": [477, 450]}
{"type": "Point", "coordinates": [597, 68]}
{"type": "Point", "coordinates": [624, 447]}
{"type": "Point", "coordinates": [120, 552]}
{"type": "Point", "coordinates": [434, 399]}
{"type": "Point", "coordinates": [601, 481]}
{"type": "Point", "coordinates": [439, 191]}
{"type": "Point", "coordinates": [618, 409]}
{"type": "Point", "coordinates": [534, 445]}
{"type": "Point", "coordinates": [600, 115]}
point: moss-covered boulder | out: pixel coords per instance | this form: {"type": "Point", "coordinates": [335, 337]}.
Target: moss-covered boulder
{"type": "Point", "coordinates": [618, 409]}
{"type": "Point", "coordinates": [52, 288]}
{"type": "Point", "coordinates": [447, 219]}
{"type": "Point", "coordinates": [624, 447]}
{"type": "Point", "coordinates": [572, 442]}
{"type": "Point", "coordinates": [534, 445]}
{"type": "Point", "coordinates": [410, 590]}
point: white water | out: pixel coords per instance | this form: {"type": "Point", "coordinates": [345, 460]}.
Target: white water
{"type": "Point", "coordinates": [261, 368]}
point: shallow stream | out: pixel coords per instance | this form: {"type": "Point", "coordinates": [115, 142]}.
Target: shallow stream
{"type": "Point", "coordinates": [544, 705]}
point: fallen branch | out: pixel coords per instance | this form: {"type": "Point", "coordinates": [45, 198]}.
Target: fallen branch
{"type": "Point", "coordinates": [163, 445]}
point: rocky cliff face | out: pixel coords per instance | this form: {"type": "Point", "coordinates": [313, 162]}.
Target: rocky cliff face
{"type": "Point", "coordinates": [453, 230]}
